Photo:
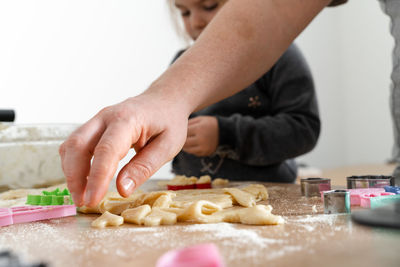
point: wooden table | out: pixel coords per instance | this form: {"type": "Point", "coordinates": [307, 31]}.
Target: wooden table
{"type": "Point", "coordinates": [306, 239]}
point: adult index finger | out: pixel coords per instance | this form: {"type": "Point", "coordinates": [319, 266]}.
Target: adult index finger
{"type": "Point", "coordinates": [111, 148]}
{"type": "Point", "coordinates": [76, 154]}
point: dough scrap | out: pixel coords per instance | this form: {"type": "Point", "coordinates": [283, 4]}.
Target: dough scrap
{"type": "Point", "coordinates": [136, 215]}
{"type": "Point", "coordinates": [160, 217]}
{"type": "Point", "coordinates": [151, 197]}
{"type": "Point", "coordinates": [259, 215]}
{"type": "Point", "coordinates": [185, 198]}
{"type": "Point", "coordinates": [220, 182]}
{"type": "Point", "coordinates": [205, 179]}
{"type": "Point", "coordinates": [89, 210]}
{"type": "Point", "coordinates": [182, 180]}
{"type": "Point", "coordinates": [113, 202]}
{"type": "Point", "coordinates": [241, 197]}
{"type": "Point", "coordinates": [117, 197]}
{"type": "Point", "coordinates": [114, 207]}
{"type": "Point", "coordinates": [108, 219]}
{"type": "Point", "coordinates": [257, 190]}
{"type": "Point", "coordinates": [201, 212]}
{"type": "Point", "coordinates": [164, 201]}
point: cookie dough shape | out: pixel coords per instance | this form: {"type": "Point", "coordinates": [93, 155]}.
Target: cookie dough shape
{"type": "Point", "coordinates": [241, 197]}
{"type": "Point", "coordinates": [114, 207]}
{"type": "Point", "coordinates": [257, 190]}
{"type": "Point", "coordinates": [160, 217]}
{"type": "Point", "coordinates": [220, 182]}
{"type": "Point", "coordinates": [136, 215]}
{"type": "Point", "coordinates": [108, 219]}
{"type": "Point", "coordinates": [259, 215]}
{"type": "Point", "coordinates": [200, 212]}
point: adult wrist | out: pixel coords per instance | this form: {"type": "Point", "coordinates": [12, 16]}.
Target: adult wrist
{"type": "Point", "coordinates": [169, 96]}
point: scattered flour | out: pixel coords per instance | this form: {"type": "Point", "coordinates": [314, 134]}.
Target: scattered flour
{"type": "Point", "coordinates": [311, 222]}
{"type": "Point", "coordinates": [31, 241]}
{"type": "Point", "coordinates": [229, 231]}
{"type": "Point", "coordinates": [251, 246]}
{"type": "Point", "coordinates": [323, 219]}
{"type": "Point", "coordinates": [234, 240]}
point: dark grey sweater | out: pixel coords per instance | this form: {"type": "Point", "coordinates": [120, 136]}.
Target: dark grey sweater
{"type": "Point", "coordinates": [262, 128]}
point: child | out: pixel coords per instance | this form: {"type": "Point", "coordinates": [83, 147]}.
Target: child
{"type": "Point", "coordinates": [256, 133]}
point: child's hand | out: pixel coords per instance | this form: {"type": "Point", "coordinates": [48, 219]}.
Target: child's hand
{"type": "Point", "coordinates": [202, 138]}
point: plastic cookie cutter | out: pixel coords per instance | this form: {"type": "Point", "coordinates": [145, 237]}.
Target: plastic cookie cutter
{"type": "Point", "coordinates": [24, 214]}
{"type": "Point", "coordinates": [366, 199]}
{"type": "Point", "coordinates": [5, 216]}
{"type": "Point", "coordinates": [355, 194]}
{"type": "Point", "coordinates": [204, 255]}
{"type": "Point", "coordinates": [393, 189]}
{"type": "Point", "coordinates": [51, 198]}
{"type": "Point", "coordinates": [384, 200]}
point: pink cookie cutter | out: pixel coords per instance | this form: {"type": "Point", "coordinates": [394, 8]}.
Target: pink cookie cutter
{"type": "Point", "coordinates": [355, 194]}
{"type": "Point", "coordinates": [5, 216]}
{"type": "Point", "coordinates": [34, 213]}
{"type": "Point", "coordinates": [366, 198]}
{"type": "Point", "coordinates": [204, 255]}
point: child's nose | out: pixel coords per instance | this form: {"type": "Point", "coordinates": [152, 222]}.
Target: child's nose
{"type": "Point", "coordinates": [198, 21]}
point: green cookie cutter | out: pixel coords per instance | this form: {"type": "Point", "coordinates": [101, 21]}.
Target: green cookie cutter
{"type": "Point", "coordinates": [51, 198]}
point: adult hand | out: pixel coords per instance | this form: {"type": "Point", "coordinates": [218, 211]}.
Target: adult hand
{"type": "Point", "coordinates": [157, 134]}
{"type": "Point", "coordinates": [202, 137]}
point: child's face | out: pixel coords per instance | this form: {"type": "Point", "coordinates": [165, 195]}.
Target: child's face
{"type": "Point", "coordinates": [196, 14]}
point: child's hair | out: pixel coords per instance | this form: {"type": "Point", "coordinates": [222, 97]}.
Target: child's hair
{"type": "Point", "coordinates": [177, 22]}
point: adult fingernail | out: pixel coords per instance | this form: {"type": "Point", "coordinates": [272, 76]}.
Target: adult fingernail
{"type": "Point", "coordinates": [127, 184]}
{"type": "Point", "coordinates": [88, 196]}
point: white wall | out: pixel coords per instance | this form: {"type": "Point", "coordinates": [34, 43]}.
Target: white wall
{"type": "Point", "coordinates": [349, 50]}
{"type": "Point", "coordinates": [61, 61]}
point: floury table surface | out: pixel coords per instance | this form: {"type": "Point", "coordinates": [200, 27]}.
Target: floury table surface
{"type": "Point", "coordinates": [306, 239]}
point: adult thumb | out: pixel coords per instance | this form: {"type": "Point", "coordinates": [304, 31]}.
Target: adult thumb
{"type": "Point", "coordinates": [146, 162]}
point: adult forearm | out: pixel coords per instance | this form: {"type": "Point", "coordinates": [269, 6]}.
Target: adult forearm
{"type": "Point", "coordinates": [242, 42]}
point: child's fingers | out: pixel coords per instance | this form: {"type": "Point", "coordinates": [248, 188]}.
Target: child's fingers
{"type": "Point", "coordinates": [195, 150]}
{"type": "Point", "coordinates": [195, 120]}
{"type": "Point", "coordinates": [190, 142]}
{"type": "Point", "coordinates": [192, 130]}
